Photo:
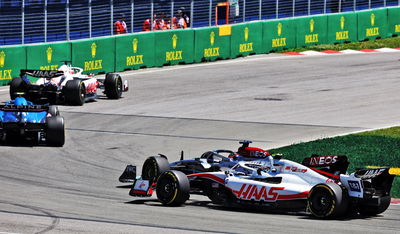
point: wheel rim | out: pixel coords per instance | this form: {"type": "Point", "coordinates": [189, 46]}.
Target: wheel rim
{"type": "Point", "coordinates": [150, 171]}
{"type": "Point", "coordinates": [322, 203]}
{"type": "Point", "coordinates": [82, 92]}
{"type": "Point", "coordinates": [166, 189]}
{"type": "Point", "coordinates": [119, 87]}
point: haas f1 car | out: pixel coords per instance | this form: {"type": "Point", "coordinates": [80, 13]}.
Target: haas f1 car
{"type": "Point", "coordinates": [318, 185]}
{"type": "Point", "coordinates": [66, 85]}
{"type": "Point", "coordinates": [43, 123]}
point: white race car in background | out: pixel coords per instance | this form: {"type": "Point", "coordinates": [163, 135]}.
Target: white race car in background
{"type": "Point", "coordinates": [66, 85]}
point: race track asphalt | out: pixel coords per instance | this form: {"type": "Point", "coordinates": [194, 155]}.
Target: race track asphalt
{"type": "Point", "coordinates": [274, 100]}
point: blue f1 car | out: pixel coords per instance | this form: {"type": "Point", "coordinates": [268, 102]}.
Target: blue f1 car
{"type": "Point", "coordinates": [21, 119]}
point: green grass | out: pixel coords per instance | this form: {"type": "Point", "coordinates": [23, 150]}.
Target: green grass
{"type": "Point", "coordinates": [375, 148]}
{"type": "Point", "coordinates": [393, 42]}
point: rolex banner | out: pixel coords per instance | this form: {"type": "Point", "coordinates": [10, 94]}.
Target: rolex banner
{"type": "Point", "coordinates": [174, 47]}
{"type": "Point", "coordinates": [134, 51]}
{"type": "Point", "coordinates": [12, 60]}
{"type": "Point", "coordinates": [372, 24]}
{"type": "Point", "coordinates": [279, 35]}
{"type": "Point", "coordinates": [394, 20]}
{"type": "Point", "coordinates": [47, 56]}
{"type": "Point", "coordinates": [342, 28]}
{"type": "Point", "coordinates": [95, 55]}
{"type": "Point", "coordinates": [209, 45]}
{"type": "Point", "coordinates": [246, 39]}
{"type": "Point", "coordinates": [311, 30]}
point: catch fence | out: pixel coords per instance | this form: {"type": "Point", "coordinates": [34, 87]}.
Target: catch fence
{"type": "Point", "coordinates": [37, 21]}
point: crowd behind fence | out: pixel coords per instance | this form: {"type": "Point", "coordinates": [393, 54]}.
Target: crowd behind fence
{"type": "Point", "coordinates": [36, 21]}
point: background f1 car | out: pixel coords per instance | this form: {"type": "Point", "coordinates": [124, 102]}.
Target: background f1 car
{"type": "Point", "coordinates": [275, 183]}
{"type": "Point", "coordinates": [67, 85]}
{"type": "Point", "coordinates": [20, 118]}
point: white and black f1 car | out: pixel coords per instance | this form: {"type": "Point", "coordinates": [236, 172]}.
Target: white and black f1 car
{"type": "Point", "coordinates": [318, 185]}
{"type": "Point", "coordinates": [21, 119]}
{"type": "Point", "coordinates": [66, 85]}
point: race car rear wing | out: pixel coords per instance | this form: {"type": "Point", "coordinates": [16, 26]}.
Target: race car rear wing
{"type": "Point", "coordinates": [41, 73]}
{"type": "Point", "coordinates": [376, 180]}
{"type": "Point", "coordinates": [25, 108]}
{"type": "Point", "coordinates": [337, 164]}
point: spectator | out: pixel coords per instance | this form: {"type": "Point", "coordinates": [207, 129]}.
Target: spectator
{"type": "Point", "coordinates": [120, 26]}
{"type": "Point", "coordinates": [174, 23]}
{"type": "Point", "coordinates": [185, 16]}
{"type": "Point", "coordinates": [159, 22]}
{"type": "Point", "coordinates": [146, 25]}
{"type": "Point", "coordinates": [181, 20]}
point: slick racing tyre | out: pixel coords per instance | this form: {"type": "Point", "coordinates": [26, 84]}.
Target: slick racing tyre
{"type": "Point", "coordinates": [53, 110]}
{"type": "Point", "coordinates": [113, 86]}
{"type": "Point", "coordinates": [153, 167]}
{"type": "Point", "coordinates": [17, 85]}
{"type": "Point", "coordinates": [374, 210]}
{"type": "Point", "coordinates": [74, 92]}
{"type": "Point", "coordinates": [173, 188]}
{"type": "Point", "coordinates": [327, 201]}
{"type": "Point", "coordinates": [55, 135]}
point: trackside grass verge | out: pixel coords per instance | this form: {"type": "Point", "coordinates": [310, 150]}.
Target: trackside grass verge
{"type": "Point", "coordinates": [375, 148]}
{"type": "Point", "coordinates": [393, 42]}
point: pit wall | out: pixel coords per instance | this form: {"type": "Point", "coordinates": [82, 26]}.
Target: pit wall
{"type": "Point", "coordinates": [156, 49]}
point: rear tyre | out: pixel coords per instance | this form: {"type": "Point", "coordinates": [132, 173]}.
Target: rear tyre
{"type": "Point", "coordinates": [74, 92]}
{"type": "Point", "coordinates": [113, 86]}
{"type": "Point", "coordinates": [17, 85]}
{"type": "Point", "coordinates": [374, 210]}
{"type": "Point", "coordinates": [53, 110]}
{"type": "Point", "coordinates": [327, 201]}
{"type": "Point", "coordinates": [173, 188]}
{"type": "Point", "coordinates": [153, 167]}
{"type": "Point", "coordinates": [55, 131]}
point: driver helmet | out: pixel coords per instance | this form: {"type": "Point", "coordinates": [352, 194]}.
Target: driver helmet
{"type": "Point", "coordinates": [64, 68]}
{"type": "Point", "coordinates": [20, 101]}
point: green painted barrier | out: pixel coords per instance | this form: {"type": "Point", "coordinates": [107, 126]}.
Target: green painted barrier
{"type": "Point", "coordinates": [134, 51]}
{"type": "Point", "coordinates": [95, 55]}
{"type": "Point", "coordinates": [174, 47]}
{"type": "Point", "coordinates": [279, 35]}
{"type": "Point", "coordinates": [342, 28]}
{"type": "Point", "coordinates": [311, 30]}
{"type": "Point", "coordinates": [209, 45]}
{"type": "Point", "coordinates": [12, 60]}
{"type": "Point", "coordinates": [48, 56]}
{"type": "Point", "coordinates": [372, 24]}
{"type": "Point", "coordinates": [394, 21]}
{"type": "Point", "coordinates": [246, 39]}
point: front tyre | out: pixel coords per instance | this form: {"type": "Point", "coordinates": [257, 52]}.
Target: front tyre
{"type": "Point", "coordinates": [113, 86]}
{"type": "Point", "coordinates": [53, 110]}
{"type": "Point", "coordinates": [153, 167]}
{"type": "Point", "coordinates": [374, 210]}
{"type": "Point", "coordinates": [173, 188]}
{"type": "Point", "coordinates": [55, 135]}
{"type": "Point", "coordinates": [327, 201]}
